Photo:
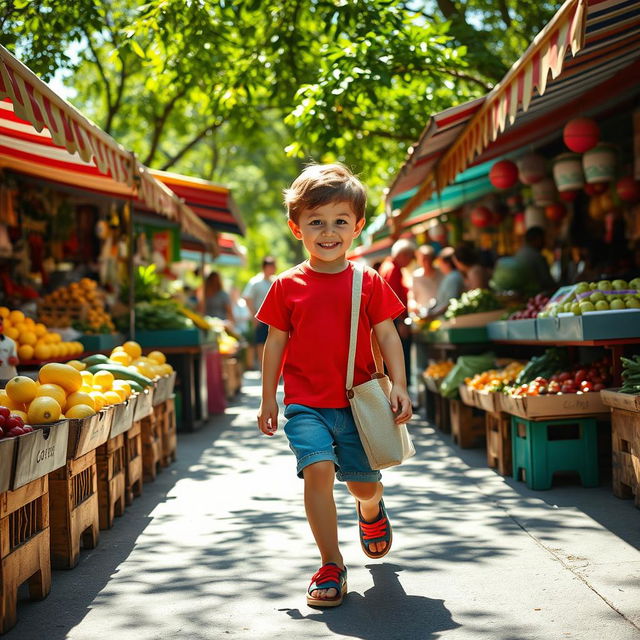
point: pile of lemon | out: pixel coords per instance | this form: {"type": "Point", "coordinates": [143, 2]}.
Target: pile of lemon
{"type": "Point", "coordinates": [33, 339]}
{"type": "Point", "coordinates": [62, 391]}
{"type": "Point", "coordinates": [152, 366]}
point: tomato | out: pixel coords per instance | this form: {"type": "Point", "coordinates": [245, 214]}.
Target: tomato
{"type": "Point", "coordinates": [565, 375]}
{"type": "Point", "coordinates": [581, 374]}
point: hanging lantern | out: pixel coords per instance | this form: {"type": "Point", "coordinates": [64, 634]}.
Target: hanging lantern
{"type": "Point", "coordinates": [581, 134]}
{"type": "Point", "coordinates": [595, 209]}
{"type": "Point", "coordinates": [567, 172]}
{"type": "Point", "coordinates": [606, 202]}
{"type": "Point", "coordinates": [503, 174]}
{"type": "Point", "coordinates": [519, 226]}
{"type": "Point", "coordinates": [599, 163]}
{"type": "Point", "coordinates": [438, 233]}
{"type": "Point", "coordinates": [534, 217]}
{"type": "Point", "coordinates": [568, 196]}
{"type": "Point", "coordinates": [555, 212]}
{"type": "Point", "coordinates": [481, 217]}
{"type": "Point", "coordinates": [514, 202]}
{"type": "Point", "coordinates": [628, 189]}
{"type": "Point", "coordinates": [544, 192]}
{"type": "Point", "coordinates": [531, 168]}
{"type": "Point", "coordinates": [596, 188]}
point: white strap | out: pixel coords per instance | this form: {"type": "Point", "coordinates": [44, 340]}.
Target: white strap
{"type": "Point", "coordinates": [356, 294]}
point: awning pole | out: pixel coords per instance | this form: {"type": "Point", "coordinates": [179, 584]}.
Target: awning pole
{"type": "Point", "coordinates": [131, 270]}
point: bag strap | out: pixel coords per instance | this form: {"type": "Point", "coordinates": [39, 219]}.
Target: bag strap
{"type": "Point", "coordinates": [356, 295]}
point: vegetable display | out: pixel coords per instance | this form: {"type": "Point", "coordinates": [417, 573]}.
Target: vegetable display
{"type": "Point", "coordinates": [474, 301]}
{"type": "Point", "coordinates": [544, 366]}
{"type": "Point", "coordinates": [630, 375]}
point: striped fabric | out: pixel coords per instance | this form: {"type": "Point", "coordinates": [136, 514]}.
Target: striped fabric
{"type": "Point", "coordinates": [587, 55]}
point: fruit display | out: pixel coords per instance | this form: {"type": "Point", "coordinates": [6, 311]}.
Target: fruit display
{"type": "Point", "coordinates": [630, 375]}
{"type": "Point", "coordinates": [438, 369]}
{"type": "Point", "coordinates": [533, 307]}
{"type": "Point", "coordinates": [578, 379]}
{"type": "Point", "coordinates": [474, 301]}
{"type": "Point", "coordinates": [33, 339]}
{"type": "Point", "coordinates": [588, 297]}
{"type": "Point", "coordinates": [80, 305]}
{"type": "Point", "coordinates": [495, 380]}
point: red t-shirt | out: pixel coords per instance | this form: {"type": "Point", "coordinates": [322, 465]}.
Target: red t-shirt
{"type": "Point", "coordinates": [315, 309]}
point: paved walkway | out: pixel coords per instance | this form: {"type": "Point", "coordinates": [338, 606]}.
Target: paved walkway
{"type": "Point", "coordinates": [218, 547]}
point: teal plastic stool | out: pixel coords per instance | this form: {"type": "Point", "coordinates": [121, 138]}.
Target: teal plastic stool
{"type": "Point", "coordinates": [541, 448]}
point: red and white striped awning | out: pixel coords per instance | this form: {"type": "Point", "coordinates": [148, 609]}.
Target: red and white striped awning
{"type": "Point", "coordinates": [587, 54]}
{"type": "Point", "coordinates": [43, 135]}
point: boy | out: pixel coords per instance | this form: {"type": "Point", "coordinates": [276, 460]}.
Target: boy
{"type": "Point", "coordinates": [308, 310]}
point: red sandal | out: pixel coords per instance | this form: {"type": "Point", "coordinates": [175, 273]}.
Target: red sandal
{"type": "Point", "coordinates": [328, 576]}
{"type": "Point", "coordinates": [377, 531]}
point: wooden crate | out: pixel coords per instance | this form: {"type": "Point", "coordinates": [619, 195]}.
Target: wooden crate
{"type": "Point", "coordinates": [231, 376]}
{"type": "Point", "coordinates": [625, 445]}
{"type": "Point", "coordinates": [498, 434]}
{"type": "Point", "coordinates": [467, 424]}
{"type": "Point", "coordinates": [24, 546]}
{"type": "Point", "coordinates": [151, 431]}
{"type": "Point", "coordinates": [133, 462]}
{"type": "Point", "coordinates": [74, 511]}
{"type": "Point", "coordinates": [169, 432]}
{"type": "Point", "coordinates": [110, 460]}
{"type": "Point", "coordinates": [442, 413]}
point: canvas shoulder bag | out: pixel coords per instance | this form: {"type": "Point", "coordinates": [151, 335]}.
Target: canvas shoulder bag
{"type": "Point", "coordinates": [385, 442]}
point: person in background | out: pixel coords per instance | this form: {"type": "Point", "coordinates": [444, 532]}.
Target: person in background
{"type": "Point", "coordinates": [217, 302]}
{"type": "Point", "coordinates": [426, 280]}
{"type": "Point", "coordinates": [531, 258]}
{"type": "Point", "coordinates": [254, 294]}
{"type": "Point", "coordinates": [391, 270]}
{"type": "Point", "coordinates": [467, 262]}
{"type": "Point", "coordinates": [451, 285]}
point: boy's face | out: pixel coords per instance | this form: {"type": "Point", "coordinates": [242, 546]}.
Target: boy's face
{"type": "Point", "coordinates": [327, 233]}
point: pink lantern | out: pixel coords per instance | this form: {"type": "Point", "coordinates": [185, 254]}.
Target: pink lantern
{"type": "Point", "coordinates": [531, 168]}
{"type": "Point", "coordinates": [481, 217]}
{"type": "Point", "coordinates": [581, 134]}
{"type": "Point", "coordinates": [568, 196]}
{"type": "Point", "coordinates": [628, 189]}
{"type": "Point", "coordinates": [503, 174]}
{"type": "Point", "coordinates": [555, 212]}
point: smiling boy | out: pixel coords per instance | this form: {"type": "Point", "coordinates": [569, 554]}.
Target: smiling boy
{"type": "Point", "coordinates": [308, 311]}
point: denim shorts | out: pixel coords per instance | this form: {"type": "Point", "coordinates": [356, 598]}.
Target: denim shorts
{"type": "Point", "coordinates": [328, 434]}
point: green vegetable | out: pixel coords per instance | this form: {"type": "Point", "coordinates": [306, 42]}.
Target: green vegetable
{"type": "Point", "coordinates": [121, 373]}
{"type": "Point", "coordinates": [465, 367]}
{"type": "Point", "coordinates": [135, 386]}
{"type": "Point", "coordinates": [474, 301]}
{"type": "Point", "coordinates": [550, 362]}
{"type": "Point", "coordinates": [98, 358]}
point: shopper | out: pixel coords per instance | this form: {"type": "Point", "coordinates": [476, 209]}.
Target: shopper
{"type": "Point", "coordinates": [392, 271]}
{"type": "Point", "coordinates": [308, 311]}
{"type": "Point", "coordinates": [425, 282]}
{"type": "Point", "coordinates": [467, 262]}
{"type": "Point", "coordinates": [254, 294]}
{"type": "Point", "coordinates": [451, 285]}
{"type": "Point", "coordinates": [217, 302]}
{"type": "Point", "coordinates": [531, 259]}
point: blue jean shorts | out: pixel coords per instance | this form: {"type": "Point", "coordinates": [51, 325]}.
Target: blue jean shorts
{"type": "Point", "coordinates": [328, 434]}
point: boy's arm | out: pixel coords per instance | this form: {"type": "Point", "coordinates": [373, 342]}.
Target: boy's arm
{"type": "Point", "coordinates": [391, 348]}
{"type": "Point", "coordinates": [271, 366]}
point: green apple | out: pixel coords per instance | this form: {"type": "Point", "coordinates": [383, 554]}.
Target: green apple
{"type": "Point", "coordinates": [604, 285]}
{"type": "Point", "coordinates": [620, 284]}
{"type": "Point", "coordinates": [602, 305]}
{"type": "Point", "coordinates": [617, 304]}
{"type": "Point", "coordinates": [596, 296]}
{"type": "Point", "coordinates": [582, 287]}
{"type": "Point", "coordinates": [575, 309]}
{"type": "Point", "coordinates": [635, 284]}
{"type": "Point", "coordinates": [586, 306]}
{"type": "Point", "coordinates": [633, 303]}
{"type": "Point", "coordinates": [593, 285]}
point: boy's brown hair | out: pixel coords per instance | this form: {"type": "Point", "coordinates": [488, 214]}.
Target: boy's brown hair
{"type": "Point", "coordinates": [320, 184]}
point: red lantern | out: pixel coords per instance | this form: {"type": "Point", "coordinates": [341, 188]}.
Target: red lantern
{"type": "Point", "coordinates": [568, 196]}
{"type": "Point", "coordinates": [503, 174]}
{"type": "Point", "coordinates": [531, 168]}
{"type": "Point", "coordinates": [628, 189]}
{"type": "Point", "coordinates": [519, 224]}
{"type": "Point", "coordinates": [481, 217]}
{"type": "Point", "coordinates": [555, 212]}
{"type": "Point", "coordinates": [581, 134]}
{"type": "Point", "coordinates": [595, 188]}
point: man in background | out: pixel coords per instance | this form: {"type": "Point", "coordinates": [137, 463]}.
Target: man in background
{"type": "Point", "coordinates": [531, 258]}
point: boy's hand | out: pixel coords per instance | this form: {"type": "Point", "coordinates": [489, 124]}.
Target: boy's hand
{"type": "Point", "coordinates": [400, 404]}
{"type": "Point", "coordinates": [268, 417]}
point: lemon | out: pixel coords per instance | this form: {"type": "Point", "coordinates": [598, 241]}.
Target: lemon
{"type": "Point", "coordinates": [21, 389]}
{"type": "Point", "coordinates": [43, 410]}
{"type": "Point", "coordinates": [76, 364]}
{"type": "Point", "coordinates": [112, 397]}
{"type": "Point", "coordinates": [80, 411]}
{"type": "Point", "coordinates": [98, 399]}
{"type": "Point", "coordinates": [158, 357]}
{"type": "Point", "coordinates": [133, 349]}
{"type": "Point", "coordinates": [87, 378]}
{"type": "Point", "coordinates": [121, 357]}
{"type": "Point", "coordinates": [6, 401]}
{"type": "Point", "coordinates": [54, 391]}
{"type": "Point", "coordinates": [63, 374]}
{"type": "Point", "coordinates": [122, 393]}
{"type": "Point", "coordinates": [103, 379]}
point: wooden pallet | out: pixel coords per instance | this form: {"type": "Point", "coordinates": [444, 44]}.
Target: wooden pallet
{"type": "Point", "coordinates": [498, 434]}
{"type": "Point", "coordinates": [74, 510]}
{"type": "Point", "coordinates": [625, 445]}
{"type": "Point", "coordinates": [24, 547]}
{"type": "Point", "coordinates": [169, 431]}
{"type": "Point", "coordinates": [133, 462]}
{"type": "Point", "coordinates": [151, 431]}
{"type": "Point", "coordinates": [467, 424]}
{"type": "Point", "coordinates": [110, 460]}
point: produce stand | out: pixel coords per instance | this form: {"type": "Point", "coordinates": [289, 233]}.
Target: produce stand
{"type": "Point", "coordinates": [110, 461]}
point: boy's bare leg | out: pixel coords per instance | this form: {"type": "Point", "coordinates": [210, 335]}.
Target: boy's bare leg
{"type": "Point", "coordinates": [321, 514]}
{"type": "Point", "coordinates": [368, 494]}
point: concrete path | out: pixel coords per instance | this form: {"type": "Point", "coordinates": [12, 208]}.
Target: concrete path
{"type": "Point", "coordinates": [218, 547]}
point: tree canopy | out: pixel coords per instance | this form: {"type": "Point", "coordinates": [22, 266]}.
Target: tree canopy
{"type": "Point", "coordinates": [243, 92]}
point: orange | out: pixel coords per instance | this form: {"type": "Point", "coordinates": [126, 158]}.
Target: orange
{"type": "Point", "coordinates": [158, 357]}
{"type": "Point", "coordinates": [12, 333]}
{"type": "Point", "coordinates": [132, 348]}
{"type": "Point", "coordinates": [112, 397]}
{"type": "Point", "coordinates": [27, 337]}
{"type": "Point", "coordinates": [64, 375]}
{"type": "Point", "coordinates": [40, 329]}
{"type": "Point", "coordinates": [25, 352]}
{"type": "Point", "coordinates": [42, 351]}
{"type": "Point", "coordinates": [103, 379]}
{"type": "Point", "coordinates": [80, 397]}
{"type": "Point", "coordinates": [43, 410]}
{"type": "Point", "coordinates": [4, 312]}
{"type": "Point", "coordinates": [80, 411]}
{"type": "Point", "coordinates": [16, 316]}
{"type": "Point", "coordinates": [54, 391]}
{"type": "Point", "coordinates": [21, 389]}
